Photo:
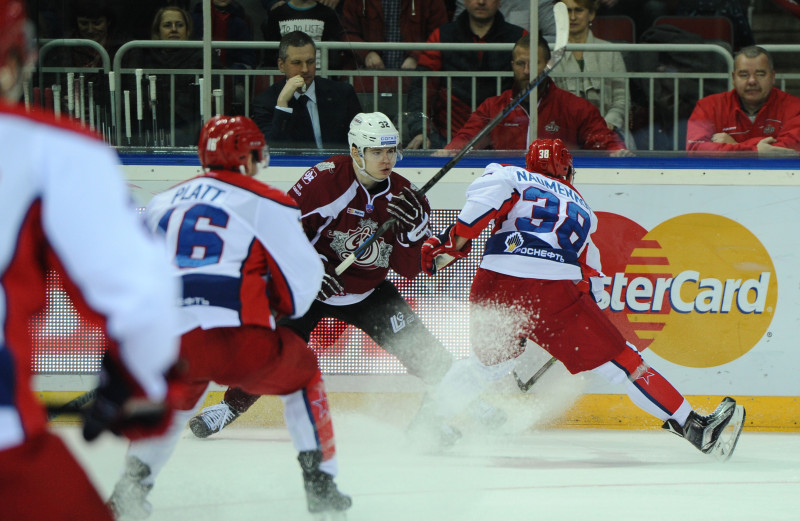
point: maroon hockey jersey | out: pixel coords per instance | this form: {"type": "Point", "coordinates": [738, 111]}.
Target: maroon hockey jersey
{"type": "Point", "coordinates": [339, 214]}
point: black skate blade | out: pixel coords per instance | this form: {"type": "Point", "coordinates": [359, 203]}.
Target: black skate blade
{"type": "Point", "coordinates": [727, 441]}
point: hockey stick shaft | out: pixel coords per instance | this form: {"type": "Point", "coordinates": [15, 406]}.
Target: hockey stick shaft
{"type": "Point", "coordinates": [525, 386]}
{"type": "Point", "coordinates": [555, 58]}
{"type": "Point", "coordinates": [73, 406]}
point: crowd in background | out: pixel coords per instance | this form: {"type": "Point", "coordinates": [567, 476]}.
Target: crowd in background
{"type": "Point", "coordinates": [429, 123]}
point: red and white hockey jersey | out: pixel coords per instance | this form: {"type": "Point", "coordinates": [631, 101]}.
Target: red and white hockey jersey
{"type": "Point", "coordinates": [339, 214]}
{"type": "Point", "coordinates": [65, 207]}
{"type": "Point", "coordinates": [239, 250]}
{"type": "Point", "coordinates": [542, 225]}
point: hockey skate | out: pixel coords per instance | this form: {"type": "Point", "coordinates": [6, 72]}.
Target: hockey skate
{"type": "Point", "coordinates": [430, 431]}
{"type": "Point", "coordinates": [213, 419]}
{"type": "Point", "coordinates": [715, 434]}
{"type": "Point", "coordinates": [128, 501]}
{"type": "Point", "coordinates": [324, 500]}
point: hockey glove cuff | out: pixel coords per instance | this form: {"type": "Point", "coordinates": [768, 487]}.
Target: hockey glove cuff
{"type": "Point", "coordinates": [440, 250]}
{"type": "Point", "coordinates": [331, 284]}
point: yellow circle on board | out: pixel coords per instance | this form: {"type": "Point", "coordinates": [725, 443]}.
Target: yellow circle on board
{"type": "Point", "coordinates": [714, 297]}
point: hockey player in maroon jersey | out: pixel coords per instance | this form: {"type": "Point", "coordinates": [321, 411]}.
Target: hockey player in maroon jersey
{"type": "Point", "coordinates": [343, 201]}
{"type": "Point", "coordinates": [537, 279]}
{"type": "Point", "coordinates": [243, 261]}
{"type": "Point", "coordinates": [65, 209]}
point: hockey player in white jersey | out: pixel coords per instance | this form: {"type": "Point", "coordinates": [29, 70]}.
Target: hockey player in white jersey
{"type": "Point", "coordinates": [65, 210]}
{"type": "Point", "coordinates": [537, 279]}
{"type": "Point", "coordinates": [243, 261]}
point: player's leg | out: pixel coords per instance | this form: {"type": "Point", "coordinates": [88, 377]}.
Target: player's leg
{"type": "Point", "coordinates": [494, 340]}
{"type": "Point", "coordinates": [235, 401]}
{"type": "Point", "coordinates": [389, 320]}
{"type": "Point", "coordinates": [716, 433]}
{"type": "Point", "coordinates": [308, 420]}
{"type": "Point", "coordinates": [575, 330]}
{"type": "Point", "coordinates": [145, 458]}
{"type": "Point", "coordinates": [278, 362]}
{"type": "Point", "coordinates": [40, 479]}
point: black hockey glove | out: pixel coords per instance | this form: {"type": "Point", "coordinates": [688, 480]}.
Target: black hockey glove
{"type": "Point", "coordinates": [331, 284]}
{"type": "Point", "coordinates": [412, 219]}
{"type": "Point", "coordinates": [117, 407]}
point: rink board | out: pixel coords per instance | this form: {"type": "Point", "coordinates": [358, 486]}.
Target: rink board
{"type": "Point", "coordinates": [702, 276]}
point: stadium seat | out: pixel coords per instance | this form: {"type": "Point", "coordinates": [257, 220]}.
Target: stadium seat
{"type": "Point", "coordinates": [709, 27]}
{"type": "Point", "coordinates": [618, 29]}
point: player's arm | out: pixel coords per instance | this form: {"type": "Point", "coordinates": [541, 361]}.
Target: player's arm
{"type": "Point", "coordinates": [295, 267]}
{"type": "Point", "coordinates": [489, 197]}
{"type": "Point", "coordinates": [120, 272]}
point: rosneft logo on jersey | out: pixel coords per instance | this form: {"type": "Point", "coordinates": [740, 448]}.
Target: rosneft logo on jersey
{"type": "Point", "coordinates": [699, 290]}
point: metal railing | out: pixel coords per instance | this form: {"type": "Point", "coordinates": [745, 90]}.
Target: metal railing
{"type": "Point", "coordinates": [116, 123]}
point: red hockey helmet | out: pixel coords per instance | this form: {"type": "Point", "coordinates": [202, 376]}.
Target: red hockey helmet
{"type": "Point", "coordinates": [227, 142]}
{"type": "Point", "coordinates": [550, 157]}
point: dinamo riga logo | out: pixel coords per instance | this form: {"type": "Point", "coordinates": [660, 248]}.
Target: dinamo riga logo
{"type": "Point", "coordinates": [699, 290]}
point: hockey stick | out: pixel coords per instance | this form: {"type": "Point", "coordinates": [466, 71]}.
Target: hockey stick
{"type": "Point", "coordinates": [562, 30]}
{"type": "Point", "coordinates": [73, 406]}
{"type": "Point", "coordinates": [525, 386]}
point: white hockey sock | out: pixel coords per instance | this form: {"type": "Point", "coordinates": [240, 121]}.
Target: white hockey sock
{"type": "Point", "coordinates": [301, 429]}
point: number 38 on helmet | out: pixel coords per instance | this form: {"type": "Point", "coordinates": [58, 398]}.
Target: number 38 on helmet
{"type": "Point", "coordinates": [550, 157]}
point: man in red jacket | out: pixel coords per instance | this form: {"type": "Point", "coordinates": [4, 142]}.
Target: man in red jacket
{"type": "Point", "coordinates": [754, 116]}
{"type": "Point", "coordinates": [562, 115]}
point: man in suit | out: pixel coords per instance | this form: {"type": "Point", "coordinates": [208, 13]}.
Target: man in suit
{"type": "Point", "coordinates": [304, 111]}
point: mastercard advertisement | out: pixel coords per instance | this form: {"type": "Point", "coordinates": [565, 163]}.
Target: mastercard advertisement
{"type": "Point", "coordinates": [699, 290]}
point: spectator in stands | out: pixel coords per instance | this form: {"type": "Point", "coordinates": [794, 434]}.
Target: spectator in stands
{"type": "Point", "coordinates": [607, 94]}
{"type": "Point", "coordinates": [518, 12]}
{"type": "Point", "coordinates": [314, 18]}
{"type": "Point", "coordinates": [391, 21]}
{"type": "Point", "coordinates": [229, 22]}
{"type": "Point", "coordinates": [94, 20]}
{"type": "Point", "coordinates": [754, 116]}
{"type": "Point", "coordinates": [173, 24]}
{"type": "Point", "coordinates": [303, 110]}
{"type": "Point", "coordinates": [562, 115]}
{"type": "Point", "coordinates": [90, 20]}
{"type": "Point", "coordinates": [481, 22]}
{"type": "Point", "coordinates": [139, 14]}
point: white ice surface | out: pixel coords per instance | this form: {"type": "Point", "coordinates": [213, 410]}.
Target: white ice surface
{"type": "Point", "coordinates": [248, 473]}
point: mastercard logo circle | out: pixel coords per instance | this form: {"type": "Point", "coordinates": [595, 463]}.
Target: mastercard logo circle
{"type": "Point", "coordinates": [699, 290]}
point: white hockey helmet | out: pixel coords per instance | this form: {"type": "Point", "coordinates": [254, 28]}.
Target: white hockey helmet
{"type": "Point", "coordinates": [373, 130]}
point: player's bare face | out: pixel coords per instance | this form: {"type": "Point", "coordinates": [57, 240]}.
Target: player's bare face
{"type": "Point", "coordinates": [299, 60]}
{"type": "Point", "coordinates": [753, 80]}
{"type": "Point", "coordinates": [379, 162]}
